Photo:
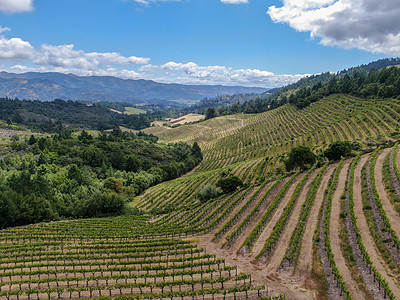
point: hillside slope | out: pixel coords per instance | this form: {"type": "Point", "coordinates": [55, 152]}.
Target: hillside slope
{"type": "Point", "coordinates": [263, 227]}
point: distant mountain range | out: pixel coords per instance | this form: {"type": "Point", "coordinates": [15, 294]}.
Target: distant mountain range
{"type": "Point", "coordinates": [50, 86]}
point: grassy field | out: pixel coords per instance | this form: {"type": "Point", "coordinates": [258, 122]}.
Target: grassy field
{"type": "Point", "coordinates": [133, 111]}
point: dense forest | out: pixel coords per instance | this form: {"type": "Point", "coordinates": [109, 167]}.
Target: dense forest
{"type": "Point", "coordinates": [66, 176]}
{"type": "Point", "coordinates": [55, 116]}
{"type": "Point", "coordinates": [384, 83]}
{"type": "Point", "coordinates": [376, 79]}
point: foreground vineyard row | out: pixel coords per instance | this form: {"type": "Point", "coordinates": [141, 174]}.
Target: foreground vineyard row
{"type": "Point", "coordinates": [90, 259]}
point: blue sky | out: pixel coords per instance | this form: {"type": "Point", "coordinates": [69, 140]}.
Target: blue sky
{"type": "Point", "coordinates": [235, 42]}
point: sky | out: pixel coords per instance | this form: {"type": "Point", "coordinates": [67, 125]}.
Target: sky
{"type": "Point", "coordinates": [263, 43]}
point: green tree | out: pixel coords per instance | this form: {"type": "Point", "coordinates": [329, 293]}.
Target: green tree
{"type": "Point", "coordinates": [132, 164]}
{"type": "Point", "coordinates": [196, 151]}
{"type": "Point", "coordinates": [229, 184]}
{"type": "Point", "coordinates": [337, 150]}
{"type": "Point", "coordinates": [211, 113]}
{"type": "Point", "coordinates": [93, 156]}
{"type": "Point", "coordinates": [84, 136]}
{"type": "Point", "coordinates": [300, 157]}
{"type": "Point", "coordinates": [118, 159]}
{"type": "Point", "coordinates": [207, 192]}
{"type": "Point", "coordinates": [75, 173]}
{"type": "Point", "coordinates": [32, 140]}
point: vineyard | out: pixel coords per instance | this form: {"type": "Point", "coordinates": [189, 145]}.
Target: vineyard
{"type": "Point", "coordinates": [330, 232]}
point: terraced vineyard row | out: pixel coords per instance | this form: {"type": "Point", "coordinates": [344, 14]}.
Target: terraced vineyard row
{"type": "Point", "coordinates": [327, 233]}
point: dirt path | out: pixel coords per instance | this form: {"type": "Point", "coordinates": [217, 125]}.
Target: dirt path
{"type": "Point", "coordinates": [355, 291]}
{"type": "Point", "coordinates": [244, 214]}
{"type": "Point", "coordinates": [393, 216]}
{"type": "Point", "coordinates": [292, 288]}
{"type": "Point", "coordinates": [304, 264]}
{"type": "Point", "coordinates": [259, 243]}
{"type": "Point", "coordinates": [243, 235]}
{"type": "Point", "coordinates": [362, 224]}
{"type": "Point", "coordinates": [398, 157]}
{"type": "Point", "coordinates": [284, 241]}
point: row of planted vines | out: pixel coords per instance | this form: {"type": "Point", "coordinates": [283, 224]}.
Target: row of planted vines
{"type": "Point", "coordinates": [342, 219]}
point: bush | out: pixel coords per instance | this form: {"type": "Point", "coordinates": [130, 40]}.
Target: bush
{"type": "Point", "coordinates": [207, 192]}
{"type": "Point", "coordinates": [337, 150]}
{"type": "Point", "coordinates": [105, 204]}
{"type": "Point", "coordinates": [229, 184]}
{"type": "Point", "coordinates": [300, 157]}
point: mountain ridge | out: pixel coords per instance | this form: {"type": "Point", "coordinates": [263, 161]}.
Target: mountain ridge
{"type": "Point", "coordinates": [51, 85]}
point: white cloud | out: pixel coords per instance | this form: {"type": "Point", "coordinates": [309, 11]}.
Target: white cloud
{"type": "Point", "coordinates": [67, 56]}
{"type": "Point", "coordinates": [13, 6]}
{"type": "Point", "coordinates": [234, 1]}
{"type": "Point", "coordinates": [195, 74]}
{"type": "Point", "coordinates": [15, 48]}
{"type": "Point", "coordinates": [369, 25]}
{"type": "Point", "coordinates": [20, 56]}
{"type": "Point", "coordinates": [146, 2]}
{"type": "Point", "coordinates": [4, 29]}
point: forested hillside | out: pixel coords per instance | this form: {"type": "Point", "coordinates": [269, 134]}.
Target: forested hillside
{"type": "Point", "coordinates": [65, 176]}
{"type": "Point", "coordinates": [376, 79]}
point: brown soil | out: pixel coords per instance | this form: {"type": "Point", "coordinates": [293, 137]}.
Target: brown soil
{"type": "Point", "coordinates": [259, 243]}
{"type": "Point", "coordinates": [367, 238]}
{"type": "Point", "coordinates": [244, 214]}
{"type": "Point", "coordinates": [292, 287]}
{"type": "Point", "coordinates": [243, 235]}
{"type": "Point", "coordinates": [380, 186]}
{"type": "Point", "coordinates": [304, 264]}
{"type": "Point", "coordinates": [284, 241]}
{"type": "Point", "coordinates": [355, 291]}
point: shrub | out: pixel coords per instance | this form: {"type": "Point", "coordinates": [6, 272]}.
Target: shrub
{"type": "Point", "coordinates": [229, 184]}
{"type": "Point", "coordinates": [338, 150]}
{"type": "Point", "coordinates": [207, 192]}
{"type": "Point", "coordinates": [300, 157]}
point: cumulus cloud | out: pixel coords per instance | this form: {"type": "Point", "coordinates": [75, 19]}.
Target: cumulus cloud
{"type": "Point", "coordinates": [20, 56]}
{"type": "Point", "coordinates": [15, 48]}
{"type": "Point", "coordinates": [369, 25]}
{"type": "Point", "coordinates": [13, 6]}
{"type": "Point", "coordinates": [234, 1]}
{"type": "Point", "coordinates": [192, 73]}
{"type": "Point", "coordinates": [62, 55]}
{"type": "Point", "coordinates": [67, 56]}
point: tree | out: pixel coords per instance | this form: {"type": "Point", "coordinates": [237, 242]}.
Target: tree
{"type": "Point", "coordinates": [32, 140]}
{"type": "Point", "coordinates": [196, 151]}
{"type": "Point", "coordinates": [337, 150]}
{"type": "Point", "coordinates": [229, 184]}
{"type": "Point", "coordinates": [132, 164]}
{"type": "Point", "coordinates": [93, 156]}
{"type": "Point", "coordinates": [211, 113]}
{"type": "Point", "coordinates": [84, 137]}
{"type": "Point", "coordinates": [207, 192]}
{"type": "Point", "coordinates": [300, 157]}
